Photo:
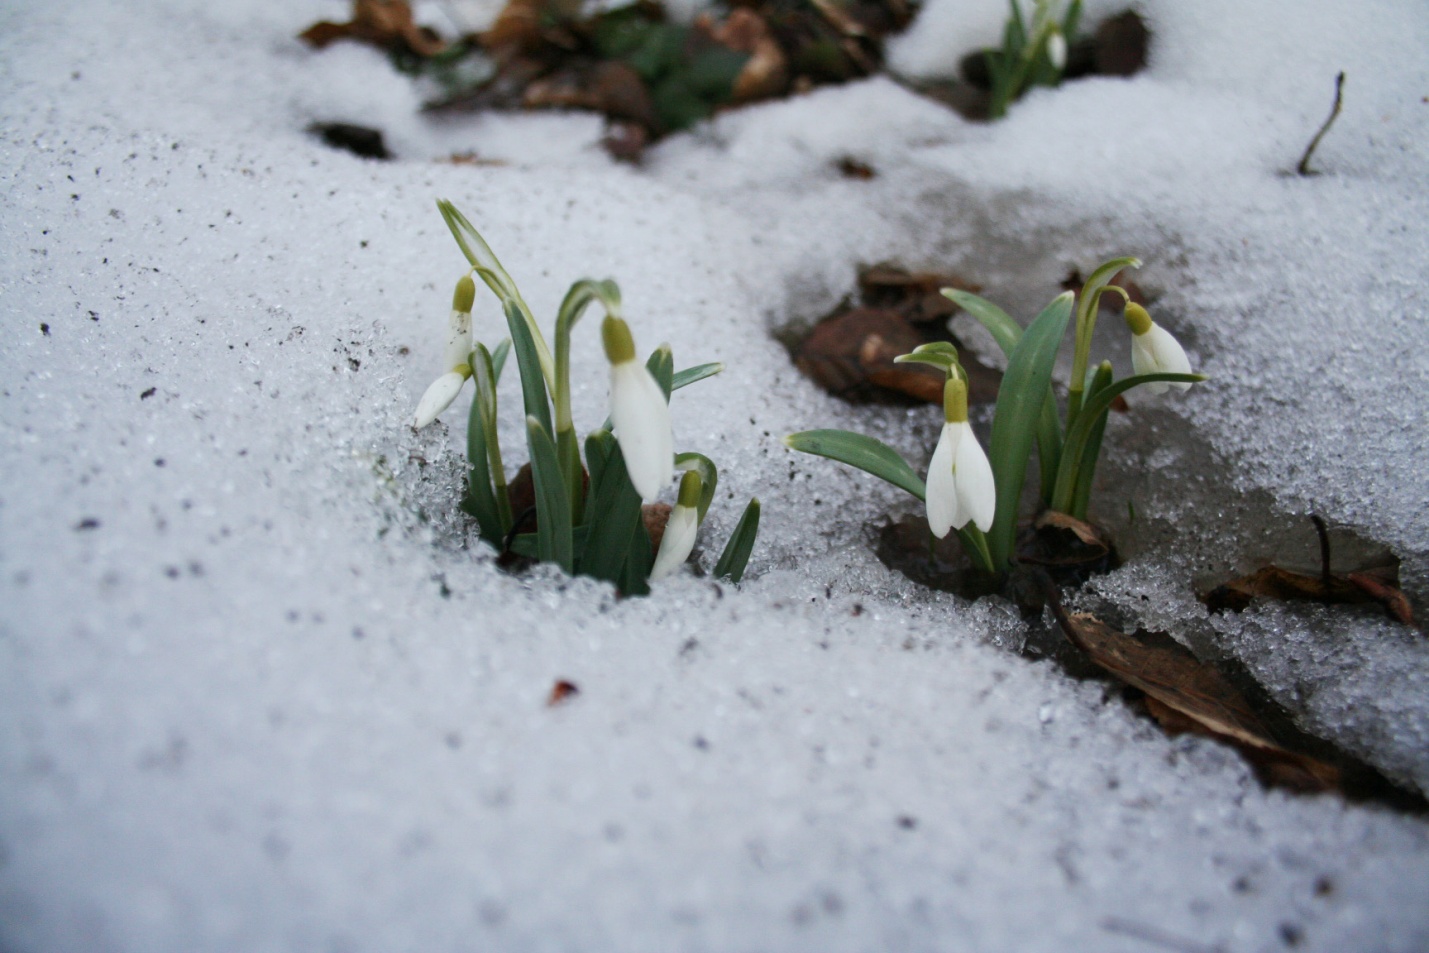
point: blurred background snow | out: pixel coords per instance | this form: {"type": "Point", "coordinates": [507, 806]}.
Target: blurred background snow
{"type": "Point", "coordinates": [263, 690]}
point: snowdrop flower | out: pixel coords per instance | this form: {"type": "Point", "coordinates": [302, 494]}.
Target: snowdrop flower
{"type": "Point", "coordinates": [680, 528]}
{"type": "Point", "coordinates": [639, 412]}
{"type": "Point", "coordinates": [444, 389]}
{"type": "Point", "coordinates": [960, 485]}
{"type": "Point", "coordinates": [1057, 50]}
{"type": "Point", "coordinates": [1154, 350]}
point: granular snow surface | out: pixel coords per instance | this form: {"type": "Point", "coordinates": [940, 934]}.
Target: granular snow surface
{"type": "Point", "coordinates": [263, 689]}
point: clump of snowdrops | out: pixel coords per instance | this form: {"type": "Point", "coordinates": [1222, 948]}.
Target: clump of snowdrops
{"type": "Point", "coordinates": [587, 517]}
{"type": "Point", "coordinates": [977, 493]}
{"type": "Point", "coordinates": [1033, 52]}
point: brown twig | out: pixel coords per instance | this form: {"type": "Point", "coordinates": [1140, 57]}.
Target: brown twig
{"type": "Point", "coordinates": [1304, 167]}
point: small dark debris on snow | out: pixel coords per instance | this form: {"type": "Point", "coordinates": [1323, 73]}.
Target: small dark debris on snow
{"type": "Point", "coordinates": [44, 329]}
{"type": "Point", "coordinates": [359, 140]}
{"type": "Point", "coordinates": [89, 522]}
{"type": "Point", "coordinates": [145, 395]}
{"type": "Point", "coordinates": [562, 691]}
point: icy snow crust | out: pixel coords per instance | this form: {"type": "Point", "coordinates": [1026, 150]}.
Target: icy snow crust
{"type": "Point", "coordinates": [262, 690]}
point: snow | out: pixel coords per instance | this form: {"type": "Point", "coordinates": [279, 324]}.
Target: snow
{"type": "Point", "coordinates": [264, 690]}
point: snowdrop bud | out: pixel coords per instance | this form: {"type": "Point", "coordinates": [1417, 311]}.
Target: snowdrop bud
{"type": "Point", "coordinates": [1057, 50]}
{"type": "Point", "coordinates": [680, 529]}
{"type": "Point", "coordinates": [458, 347]}
{"type": "Point", "coordinates": [639, 412]}
{"type": "Point", "coordinates": [960, 486]}
{"type": "Point", "coordinates": [1154, 350]}
{"type": "Point", "coordinates": [439, 395]}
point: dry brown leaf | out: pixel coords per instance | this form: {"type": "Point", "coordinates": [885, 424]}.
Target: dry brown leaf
{"type": "Point", "coordinates": [1190, 695]}
{"type": "Point", "coordinates": [766, 72]}
{"type": "Point", "coordinates": [562, 691]}
{"type": "Point", "coordinates": [655, 516]}
{"type": "Point", "coordinates": [383, 23]}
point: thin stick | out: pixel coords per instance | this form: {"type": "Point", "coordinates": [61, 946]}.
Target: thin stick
{"type": "Point", "coordinates": [1304, 167]}
{"type": "Point", "coordinates": [1324, 548]}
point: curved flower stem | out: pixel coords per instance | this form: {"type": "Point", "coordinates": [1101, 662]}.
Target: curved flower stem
{"type": "Point", "coordinates": [1087, 306]}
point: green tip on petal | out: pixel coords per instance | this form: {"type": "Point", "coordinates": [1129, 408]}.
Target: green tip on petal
{"type": "Point", "coordinates": [619, 345]}
{"type": "Point", "coordinates": [1137, 318]}
{"type": "Point", "coordinates": [937, 353]}
{"type": "Point", "coordinates": [465, 295]}
{"type": "Point", "coordinates": [690, 486]}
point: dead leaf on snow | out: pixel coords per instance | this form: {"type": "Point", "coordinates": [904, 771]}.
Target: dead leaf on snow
{"type": "Point", "coordinates": [387, 24]}
{"type": "Point", "coordinates": [1185, 694]}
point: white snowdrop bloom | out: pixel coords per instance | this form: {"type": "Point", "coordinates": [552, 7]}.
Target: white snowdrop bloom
{"type": "Point", "coordinates": [680, 529]}
{"type": "Point", "coordinates": [1154, 350]}
{"type": "Point", "coordinates": [1057, 50]}
{"type": "Point", "coordinates": [444, 389]}
{"type": "Point", "coordinates": [960, 487]}
{"type": "Point", "coordinates": [639, 412]}
{"type": "Point", "coordinates": [439, 396]}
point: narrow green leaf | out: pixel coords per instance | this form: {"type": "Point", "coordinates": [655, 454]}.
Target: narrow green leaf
{"type": "Point", "coordinates": [639, 560]}
{"type": "Point", "coordinates": [709, 477]}
{"type": "Point", "coordinates": [553, 509]}
{"type": "Point", "coordinates": [498, 357]}
{"type": "Point", "coordinates": [480, 501]}
{"type": "Point", "coordinates": [533, 388]}
{"type": "Point", "coordinates": [1006, 332]}
{"type": "Point", "coordinates": [1080, 429]}
{"type": "Point", "coordinates": [528, 544]}
{"type": "Point", "coordinates": [865, 453]}
{"type": "Point", "coordinates": [484, 376]}
{"type": "Point", "coordinates": [598, 447]}
{"type": "Point", "coordinates": [613, 512]}
{"type": "Point", "coordinates": [1086, 468]}
{"type": "Point", "coordinates": [691, 375]}
{"type": "Point", "coordinates": [661, 366]}
{"type": "Point", "coordinates": [735, 557]}
{"type": "Point", "coordinates": [1020, 401]}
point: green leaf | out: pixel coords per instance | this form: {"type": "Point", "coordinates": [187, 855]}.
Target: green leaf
{"type": "Point", "coordinates": [498, 358]}
{"type": "Point", "coordinates": [1093, 412]}
{"type": "Point", "coordinates": [709, 477]}
{"type": "Point", "coordinates": [480, 501]}
{"type": "Point", "coordinates": [1020, 401]}
{"type": "Point", "coordinates": [865, 453]}
{"type": "Point", "coordinates": [474, 247]}
{"type": "Point", "coordinates": [639, 560]}
{"type": "Point", "coordinates": [613, 511]}
{"type": "Point", "coordinates": [691, 375]}
{"type": "Point", "coordinates": [1006, 332]}
{"type": "Point", "coordinates": [529, 544]}
{"type": "Point", "coordinates": [555, 543]}
{"type": "Point", "coordinates": [533, 388]}
{"type": "Point", "coordinates": [661, 366]}
{"type": "Point", "coordinates": [735, 557]}
{"type": "Point", "coordinates": [484, 448]}
{"type": "Point", "coordinates": [1086, 469]}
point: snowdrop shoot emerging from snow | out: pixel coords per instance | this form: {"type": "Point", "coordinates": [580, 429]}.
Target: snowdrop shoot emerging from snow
{"type": "Point", "coordinates": [587, 517]}
{"type": "Point", "coordinates": [978, 494]}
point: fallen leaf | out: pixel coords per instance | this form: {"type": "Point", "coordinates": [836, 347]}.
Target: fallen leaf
{"type": "Point", "coordinates": [655, 516]}
{"type": "Point", "coordinates": [1188, 695]}
{"type": "Point", "coordinates": [387, 24]}
{"type": "Point", "coordinates": [562, 691]}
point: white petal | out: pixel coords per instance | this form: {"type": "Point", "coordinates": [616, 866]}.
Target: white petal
{"type": "Point", "coordinates": [458, 348]}
{"type": "Point", "coordinates": [1057, 50]}
{"type": "Point", "coordinates": [642, 428]}
{"type": "Point", "coordinates": [944, 511]}
{"type": "Point", "coordinates": [1170, 356]}
{"type": "Point", "coordinates": [679, 540]}
{"type": "Point", "coordinates": [977, 493]}
{"type": "Point", "coordinates": [439, 397]}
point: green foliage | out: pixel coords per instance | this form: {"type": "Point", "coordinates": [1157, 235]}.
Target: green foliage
{"type": "Point", "coordinates": [589, 517]}
{"type": "Point", "coordinates": [1025, 58]}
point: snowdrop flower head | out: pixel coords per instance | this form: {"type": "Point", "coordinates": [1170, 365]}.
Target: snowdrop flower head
{"type": "Point", "coordinates": [680, 529]}
{"type": "Point", "coordinates": [960, 485]}
{"type": "Point", "coordinates": [455, 357]}
{"type": "Point", "coordinates": [1057, 49]}
{"type": "Point", "coordinates": [639, 412]}
{"type": "Point", "coordinates": [1154, 350]}
{"type": "Point", "coordinates": [458, 348]}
